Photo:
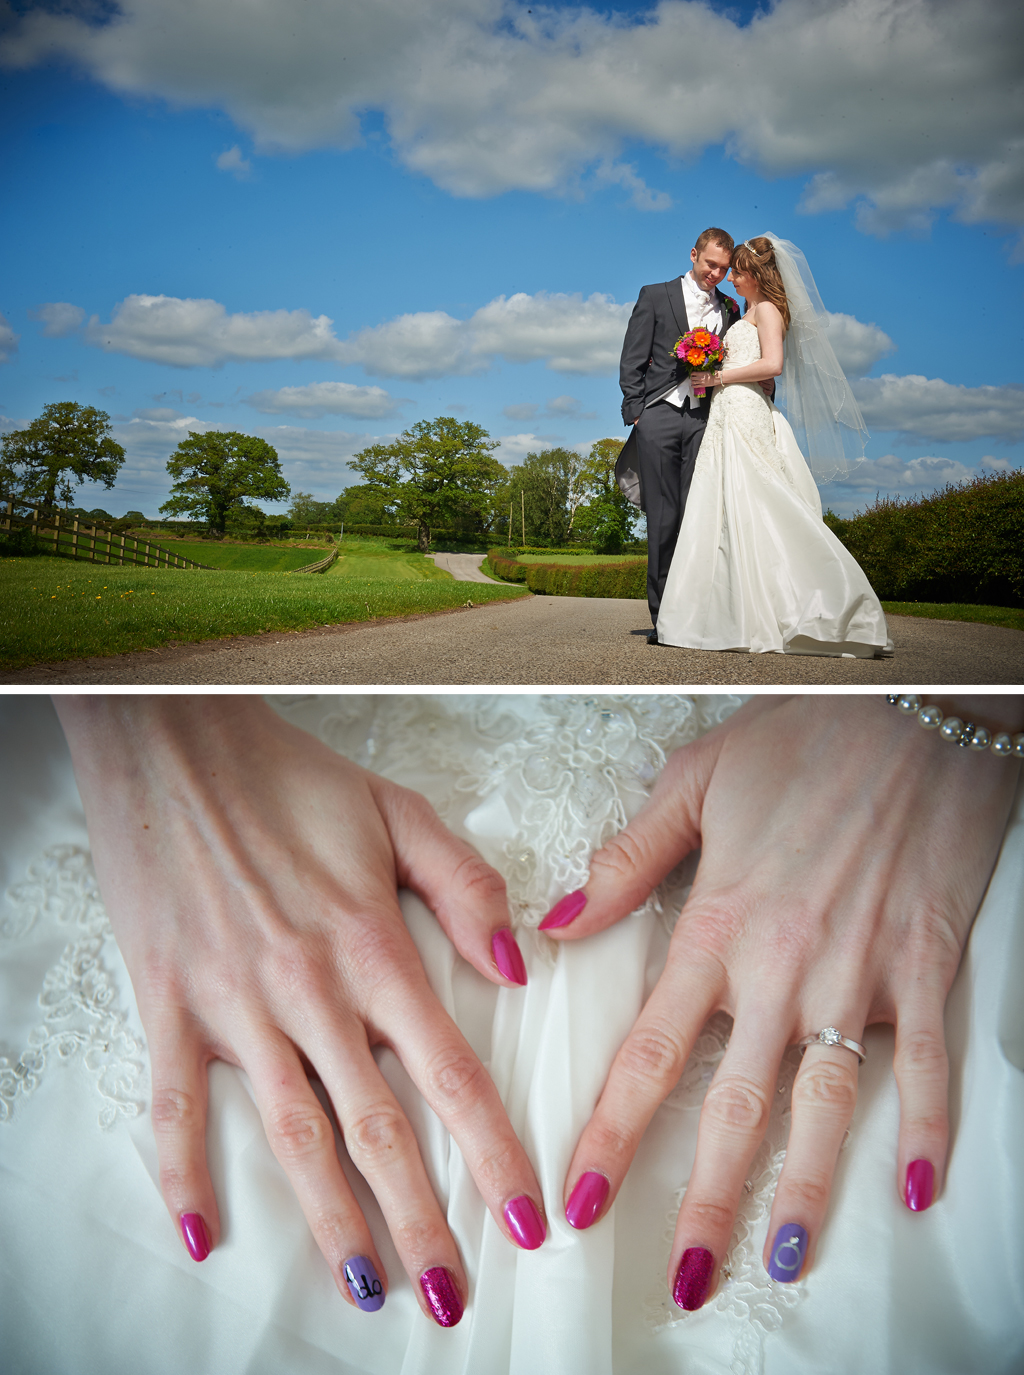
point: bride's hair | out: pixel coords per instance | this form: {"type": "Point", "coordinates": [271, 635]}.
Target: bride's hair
{"type": "Point", "coordinates": [757, 256]}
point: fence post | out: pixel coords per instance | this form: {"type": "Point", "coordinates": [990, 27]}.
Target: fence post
{"type": "Point", "coordinates": [74, 538]}
{"type": "Point", "coordinates": [122, 548]}
{"type": "Point", "coordinates": [56, 530]}
{"type": "Point", "coordinates": [9, 517]}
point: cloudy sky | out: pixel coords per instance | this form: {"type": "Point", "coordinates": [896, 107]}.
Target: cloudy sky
{"type": "Point", "coordinates": [322, 221]}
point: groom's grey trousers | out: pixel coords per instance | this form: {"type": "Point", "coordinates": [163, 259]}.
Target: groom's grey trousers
{"type": "Point", "coordinates": [667, 441]}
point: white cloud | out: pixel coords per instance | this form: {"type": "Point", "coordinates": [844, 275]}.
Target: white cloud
{"type": "Point", "coordinates": [196, 333]}
{"type": "Point", "coordinates": [917, 104]}
{"type": "Point", "coordinates": [60, 318]}
{"type": "Point", "coordinates": [571, 333]}
{"type": "Point", "coordinates": [326, 398]}
{"type": "Point", "coordinates": [904, 476]}
{"type": "Point", "coordinates": [939, 410]}
{"type": "Point", "coordinates": [555, 408]}
{"type": "Point", "coordinates": [857, 346]}
{"type": "Point", "coordinates": [8, 341]}
{"type": "Point", "coordinates": [231, 160]}
{"type": "Point", "coordinates": [524, 412]}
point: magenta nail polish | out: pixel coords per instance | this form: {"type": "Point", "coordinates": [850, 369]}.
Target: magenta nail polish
{"type": "Point", "coordinates": [507, 956]}
{"type": "Point", "coordinates": [442, 1296]}
{"type": "Point", "coordinates": [920, 1188]}
{"type": "Point", "coordinates": [565, 910]}
{"type": "Point", "coordinates": [197, 1238]}
{"type": "Point", "coordinates": [525, 1223]}
{"type": "Point", "coordinates": [693, 1278]}
{"type": "Point", "coordinates": [586, 1200]}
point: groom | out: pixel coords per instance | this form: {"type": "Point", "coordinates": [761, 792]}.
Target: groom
{"type": "Point", "coordinates": [668, 420]}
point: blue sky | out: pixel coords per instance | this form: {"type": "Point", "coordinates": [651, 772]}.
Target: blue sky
{"type": "Point", "coordinates": [321, 223]}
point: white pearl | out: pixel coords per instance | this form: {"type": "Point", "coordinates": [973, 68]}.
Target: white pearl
{"type": "Point", "coordinates": [930, 717]}
{"type": "Point", "coordinates": [1018, 745]}
{"type": "Point", "coordinates": [982, 738]}
{"type": "Point", "coordinates": [909, 702]}
{"type": "Point", "coordinates": [1002, 745]}
{"type": "Point", "coordinates": [952, 728]}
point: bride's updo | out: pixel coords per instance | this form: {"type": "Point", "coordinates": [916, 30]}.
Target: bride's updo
{"type": "Point", "coordinates": [757, 256]}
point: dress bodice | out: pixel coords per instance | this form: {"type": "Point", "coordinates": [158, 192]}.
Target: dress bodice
{"type": "Point", "coordinates": [744, 403]}
{"type": "Point", "coordinates": [742, 345]}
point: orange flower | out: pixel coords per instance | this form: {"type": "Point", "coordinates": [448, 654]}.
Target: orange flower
{"type": "Point", "coordinates": [701, 337]}
{"type": "Point", "coordinates": [696, 357]}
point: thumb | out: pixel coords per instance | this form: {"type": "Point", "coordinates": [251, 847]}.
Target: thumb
{"type": "Point", "coordinates": [625, 870]}
{"type": "Point", "coordinates": [465, 894]}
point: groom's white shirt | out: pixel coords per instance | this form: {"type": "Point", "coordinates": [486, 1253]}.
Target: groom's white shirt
{"type": "Point", "coordinates": [702, 308]}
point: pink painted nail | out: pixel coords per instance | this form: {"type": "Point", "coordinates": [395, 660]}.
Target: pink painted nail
{"type": "Point", "coordinates": [507, 956]}
{"type": "Point", "coordinates": [197, 1238]}
{"type": "Point", "coordinates": [920, 1185]}
{"type": "Point", "coordinates": [693, 1278]}
{"type": "Point", "coordinates": [586, 1200]}
{"type": "Point", "coordinates": [525, 1223]}
{"type": "Point", "coordinates": [442, 1296]}
{"type": "Point", "coordinates": [565, 910]}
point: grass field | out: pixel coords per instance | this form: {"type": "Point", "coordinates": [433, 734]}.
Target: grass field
{"type": "Point", "coordinates": [388, 566]}
{"type": "Point", "coordinates": [52, 608]}
{"type": "Point", "coordinates": [247, 558]}
{"type": "Point", "coordinates": [1009, 616]}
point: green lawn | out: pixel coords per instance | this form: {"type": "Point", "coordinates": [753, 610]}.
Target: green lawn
{"type": "Point", "coordinates": [394, 567]}
{"type": "Point", "coordinates": [1011, 617]}
{"type": "Point", "coordinates": [52, 608]}
{"type": "Point", "coordinates": [247, 558]}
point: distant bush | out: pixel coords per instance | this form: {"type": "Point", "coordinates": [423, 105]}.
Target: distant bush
{"type": "Point", "coordinates": [20, 543]}
{"type": "Point", "coordinates": [962, 544]}
{"type": "Point", "coordinates": [627, 578]}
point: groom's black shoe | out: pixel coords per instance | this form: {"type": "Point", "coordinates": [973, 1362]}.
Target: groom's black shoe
{"type": "Point", "coordinates": [652, 638]}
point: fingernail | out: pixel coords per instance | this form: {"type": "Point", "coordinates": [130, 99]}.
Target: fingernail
{"type": "Point", "coordinates": [441, 1294]}
{"type": "Point", "coordinates": [197, 1238]}
{"type": "Point", "coordinates": [507, 956]}
{"type": "Point", "coordinates": [565, 910]}
{"type": "Point", "coordinates": [920, 1185]}
{"type": "Point", "coordinates": [787, 1257]}
{"type": "Point", "coordinates": [525, 1223]}
{"type": "Point", "coordinates": [364, 1284]}
{"type": "Point", "coordinates": [693, 1278]}
{"type": "Point", "coordinates": [586, 1200]}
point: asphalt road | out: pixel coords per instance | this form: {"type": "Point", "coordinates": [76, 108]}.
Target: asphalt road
{"type": "Point", "coordinates": [547, 641]}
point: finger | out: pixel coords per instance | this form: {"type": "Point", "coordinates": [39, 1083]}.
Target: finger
{"type": "Point", "coordinates": [824, 1098]}
{"type": "Point", "coordinates": [624, 871]}
{"type": "Point", "coordinates": [442, 1065]}
{"type": "Point", "coordinates": [302, 1138]}
{"type": "Point", "coordinates": [465, 894]}
{"type": "Point", "coordinates": [643, 1073]}
{"type": "Point", "coordinates": [922, 1075]}
{"type": "Point", "coordinates": [733, 1121]}
{"type": "Point", "coordinates": [179, 1069]}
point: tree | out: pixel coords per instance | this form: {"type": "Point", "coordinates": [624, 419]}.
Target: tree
{"type": "Point", "coordinates": [607, 517]}
{"type": "Point", "coordinates": [362, 504]}
{"type": "Point", "coordinates": [545, 486]}
{"type": "Point", "coordinates": [439, 473]}
{"type": "Point", "coordinates": [218, 472]}
{"type": "Point", "coordinates": [306, 510]}
{"type": "Point", "coordinates": [67, 445]}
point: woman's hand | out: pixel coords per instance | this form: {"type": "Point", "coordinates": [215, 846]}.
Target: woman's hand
{"type": "Point", "coordinates": [844, 853]}
{"type": "Point", "coordinates": [251, 878]}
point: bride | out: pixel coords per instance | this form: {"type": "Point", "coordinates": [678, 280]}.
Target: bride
{"type": "Point", "coordinates": [755, 568]}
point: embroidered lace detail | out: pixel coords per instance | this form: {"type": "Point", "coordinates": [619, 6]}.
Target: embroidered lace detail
{"type": "Point", "coordinates": [78, 1000]}
{"type": "Point", "coordinates": [744, 404]}
{"type": "Point", "coordinates": [745, 1292]}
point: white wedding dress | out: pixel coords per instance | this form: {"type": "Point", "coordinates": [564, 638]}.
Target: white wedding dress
{"type": "Point", "coordinates": [94, 1281]}
{"type": "Point", "coordinates": [755, 567]}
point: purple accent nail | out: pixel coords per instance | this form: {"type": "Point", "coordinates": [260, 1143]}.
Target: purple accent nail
{"type": "Point", "coordinates": [920, 1185]}
{"type": "Point", "coordinates": [693, 1277]}
{"type": "Point", "coordinates": [197, 1238]}
{"type": "Point", "coordinates": [525, 1223]}
{"type": "Point", "coordinates": [787, 1257]}
{"type": "Point", "coordinates": [364, 1284]}
{"type": "Point", "coordinates": [586, 1200]}
{"type": "Point", "coordinates": [442, 1296]}
{"type": "Point", "coordinates": [507, 956]}
{"type": "Point", "coordinates": [565, 910]}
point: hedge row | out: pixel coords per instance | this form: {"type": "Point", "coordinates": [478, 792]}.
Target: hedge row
{"type": "Point", "coordinates": [962, 544]}
{"type": "Point", "coordinates": [627, 578]}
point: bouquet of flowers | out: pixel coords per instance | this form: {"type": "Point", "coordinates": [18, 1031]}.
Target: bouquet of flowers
{"type": "Point", "coordinates": [701, 351]}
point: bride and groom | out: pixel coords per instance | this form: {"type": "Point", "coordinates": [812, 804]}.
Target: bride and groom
{"type": "Point", "coordinates": [739, 557]}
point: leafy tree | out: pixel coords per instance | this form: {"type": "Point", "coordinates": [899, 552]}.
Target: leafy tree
{"type": "Point", "coordinates": [546, 487]}
{"type": "Point", "coordinates": [219, 472]}
{"type": "Point", "coordinates": [362, 504]}
{"type": "Point", "coordinates": [67, 445]}
{"type": "Point", "coordinates": [306, 510]}
{"type": "Point", "coordinates": [439, 473]}
{"type": "Point", "coordinates": [607, 516]}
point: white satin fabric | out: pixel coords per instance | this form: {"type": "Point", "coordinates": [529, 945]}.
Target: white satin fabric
{"type": "Point", "coordinates": [94, 1279]}
{"type": "Point", "coordinates": [755, 567]}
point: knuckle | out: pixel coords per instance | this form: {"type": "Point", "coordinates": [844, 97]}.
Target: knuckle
{"type": "Point", "coordinates": [652, 1055]}
{"type": "Point", "coordinates": [735, 1105]}
{"type": "Point", "coordinates": [379, 1135]}
{"type": "Point", "coordinates": [709, 1218]}
{"type": "Point", "coordinates": [455, 1077]}
{"type": "Point", "coordinates": [174, 1111]}
{"type": "Point", "coordinates": [826, 1087]}
{"type": "Point", "coordinates": [418, 1238]}
{"type": "Point", "coordinates": [922, 1055]}
{"type": "Point", "coordinates": [808, 1195]}
{"type": "Point", "coordinates": [621, 858]}
{"type": "Point", "coordinates": [478, 880]}
{"type": "Point", "coordinates": [298, 1131]}
{"type": "Point", "coordinates": [611, 1140]}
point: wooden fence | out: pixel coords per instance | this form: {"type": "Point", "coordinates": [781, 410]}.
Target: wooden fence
{"type": "Point", "coordinates": [321, 565]}
{"type": "Point", "coordinates": [71, 538]}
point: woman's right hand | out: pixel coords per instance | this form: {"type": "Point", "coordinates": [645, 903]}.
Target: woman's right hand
{"type": "Point", "coordinates": [251, 875]}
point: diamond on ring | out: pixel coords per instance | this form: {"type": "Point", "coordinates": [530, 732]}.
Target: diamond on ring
{"type": "Point", "coordinates": [830, 1036]}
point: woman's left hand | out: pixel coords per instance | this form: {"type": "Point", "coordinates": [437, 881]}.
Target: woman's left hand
{"type": "Point", "coordinates": [706, 379]}
{"type": "Point", "coordinates": [844, 855]}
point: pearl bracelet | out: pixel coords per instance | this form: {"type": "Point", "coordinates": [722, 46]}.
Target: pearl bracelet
{"type": "Point", "coordinates": [963, 733]}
